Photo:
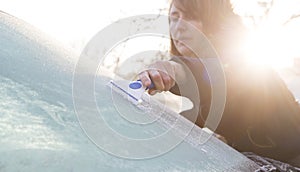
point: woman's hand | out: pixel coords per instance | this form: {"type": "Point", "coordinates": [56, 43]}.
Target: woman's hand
{"type": "Point", "coordinates": [163, 75]}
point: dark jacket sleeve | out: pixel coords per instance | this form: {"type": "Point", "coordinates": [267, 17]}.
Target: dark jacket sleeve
{"type": "Point", "coordinates": [196, 87]}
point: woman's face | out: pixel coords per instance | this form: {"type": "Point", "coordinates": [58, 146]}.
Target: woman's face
{"type": "Point", "coordinates": [182, 29]}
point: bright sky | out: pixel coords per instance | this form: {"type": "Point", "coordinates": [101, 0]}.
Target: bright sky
{"type": "Point", "coordinates": [75, 22]}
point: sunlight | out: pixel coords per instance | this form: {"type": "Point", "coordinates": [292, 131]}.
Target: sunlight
{"type": "Point", "coordinates": [271, 41]}
{"type": "Point", "coordinates": [269, 46]}
{"type": "Point", "coordinates": [75, 22]}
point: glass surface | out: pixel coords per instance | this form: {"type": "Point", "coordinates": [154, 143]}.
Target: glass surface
{"type": "Point", "coordinates": [39, 129]}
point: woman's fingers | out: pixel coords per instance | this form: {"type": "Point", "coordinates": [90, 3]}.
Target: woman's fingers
{"type": "Point", "coordinates": [159, 75]}
{"type": "Point", "coordinates": [157, 79]}
{"type": "Point", "coordinates": [145, 78]}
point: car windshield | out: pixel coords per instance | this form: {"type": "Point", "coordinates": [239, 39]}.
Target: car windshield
{"type": "Point", "coordinates": [41, 132]}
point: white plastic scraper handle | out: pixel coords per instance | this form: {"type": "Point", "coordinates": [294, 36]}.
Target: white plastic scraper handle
{"type": "Point", "coordinates": [137, 89]}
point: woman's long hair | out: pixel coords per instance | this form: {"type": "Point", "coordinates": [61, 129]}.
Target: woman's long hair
{"type": "Point", "coordinates": [221, 25]}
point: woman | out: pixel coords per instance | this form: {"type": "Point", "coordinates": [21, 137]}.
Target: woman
{"type": "Point", "coordinates": [261, 115]}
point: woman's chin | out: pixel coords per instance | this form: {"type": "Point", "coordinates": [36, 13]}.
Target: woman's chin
{"type": "Point", "coordinates": [184, 51]}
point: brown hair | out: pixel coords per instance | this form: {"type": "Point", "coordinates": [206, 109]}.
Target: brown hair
{"type": "Point", "coordinates": [217, 17]}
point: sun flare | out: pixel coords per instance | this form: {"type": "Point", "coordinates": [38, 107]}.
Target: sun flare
{"type": "Point", "coordinates": [273, 36]}
{"type": "Point", "coordinates": [269, 46]}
